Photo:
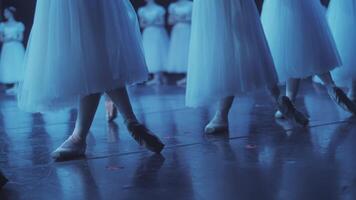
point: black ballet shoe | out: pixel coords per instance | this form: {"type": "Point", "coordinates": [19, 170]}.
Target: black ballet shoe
{"type": "Point", "coordinates": [145, 137]}
{"type": "Point", "coordinates": [288, 110]}
{"type": "Point", "coordinates": [341, 99]}
{"type": "Point", "coordinates": [3, 180]}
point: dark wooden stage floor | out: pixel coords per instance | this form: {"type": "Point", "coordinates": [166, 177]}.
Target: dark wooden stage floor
{"type": "Point", "coordinates": [261, 158]}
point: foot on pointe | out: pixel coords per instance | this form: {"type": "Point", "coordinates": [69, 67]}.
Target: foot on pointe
{"type": "Point", "coordinates": [145, 137]}
{"type": "Point", "coordinates": [71, 148]}
{"type": "Point", "coordinates": [111, 111]}
{"type": "Point", "coordinates": [217, 126]}
{"type": "Point", "coordinates": [278, 115]}
{"type": "Point", "coordinates": [288, 110]}
{"type": "Point", "coordinates": [341, 99]}
{"type": "Point", "coordinates": [153, 82]}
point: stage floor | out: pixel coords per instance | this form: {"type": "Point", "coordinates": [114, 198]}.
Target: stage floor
{"type": "Point", "coordinates": [261, 158]}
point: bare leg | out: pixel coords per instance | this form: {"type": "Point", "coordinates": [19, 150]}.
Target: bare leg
{"type": "Point", "coordinates": [138, 131]}
{"type": "Point", "coordinates": [275, 92]}
{"type": "Point", "coordinates": [122, 101]}
{"type": "Point", "coordinates": [75, 145]}
{"type": "Point", "coordinates": [220, 121]}
{"type": "Point", "coordinates": [327, 79]}
{"type": "Point", "coordinates": [111, 110]}
{"type": "Point", "coordinates": [292, 89]}
{"type": "Point", "coordinates": [352, 91]}
{"type": "Point", "coordinates": [336, 94]}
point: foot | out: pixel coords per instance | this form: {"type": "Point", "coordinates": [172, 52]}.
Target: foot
{"type": "Point", "coordinates": [278, 115]}
{"type": "Point", "coordinates": [341, 99]}
{"type": "Point", "coordinates": [3, 180]}
{"type": "Point", "coordinates": [182, 82]}
{"type": "Point", "coordinates": [145, 137]}
{"type": "Point", "coordinates": [217, 125]}
{"type": "Point", "coordinates": [154, 81]}
{"type": "Point", "coordinates": [71, 148]}
{"type": "Point", "coordinates": [288, 110]}
{"type": "Point", "coordinates": [11, 91]}
{"type": "Point", "coordinates": [111, 111]}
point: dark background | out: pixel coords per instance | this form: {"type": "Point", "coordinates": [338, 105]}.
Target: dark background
{"type": "Point", "coordinates": [25, 9]}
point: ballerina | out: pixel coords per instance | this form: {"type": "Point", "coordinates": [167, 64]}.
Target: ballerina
{"type": "Point", "coordinates": [180, 14]}
{"type": "Point", "coordinates": [342, 22]}
{"type": "Point", "coordinates": [155, 39]}
{"type": "Point", "coordinates": [229, 55]}
{"type": "Point", "coordinates": [302, 46]}
{"type": "Point", "coordinates": [78, 50]}
{"type": "Point", "coordinates": [12, 54]}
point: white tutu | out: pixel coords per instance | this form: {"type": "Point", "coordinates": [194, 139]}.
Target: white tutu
{"type": "Point", "coordinates": [155, 38]}
{"type": "Point", "coordinates": [299, 37]}
{"type": "Point", "coordinates": [78, 48]}
{"type": "Point", "coordinates": [229, 54]}
{"type": "Point", "coordinates": [12, 54]}
{"type": "Point", "coordinates": [180, 37]}
{"type": "Point", "coordinates": [342, 21]}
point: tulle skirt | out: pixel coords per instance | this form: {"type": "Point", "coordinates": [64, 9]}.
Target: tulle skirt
{"type": "Point", "coordinates": [11, 62]}
{"type": "Point", "coordinates": [229, 54]}
{"type": "Point", "coordinates": [155, 44]}
{"type": "Point", "coordinates": [179, 48]}
{"type": "Point", "coordinates": [299, 37]}
{"type": "Point", "coordinates": [80, 47]}
{"type": "Point", "coordinates": [342, 21]}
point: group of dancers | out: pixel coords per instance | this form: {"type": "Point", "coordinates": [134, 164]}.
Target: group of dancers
{"type": "Point", "coordinates": [164, 53]}
{"type": "Point", "coordinates": [79, 50]}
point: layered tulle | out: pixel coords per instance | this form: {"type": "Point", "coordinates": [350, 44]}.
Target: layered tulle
{"type": "Point", "coordinates": [299, 37]}
{"type": "Point", "coordinates": [229, 54]}
{"type": "Point", "coordinates": [342, 21]}
{"type": "Point", "coordinates": [180, 37]}
{"type": "Point", "coordinates": [78, 48]}
{"type": "Point", "coordinates": [155, 38]}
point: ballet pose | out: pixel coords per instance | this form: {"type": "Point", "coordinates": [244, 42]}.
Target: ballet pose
{"type": "Point", "coordinates": [342, 21]}
{"type": "Point", "coordinates": [155, 39]}
{"type": "Point", "coordinates": [77, 51]}
{"type": "Point", "coordinates": [229, 55]}
{"type": "Point", "coordinates": [302, 45]}
{"type": "Point", "coordinates": [12, 54]}
{"type": "Point", "coordinates": [180, 14]}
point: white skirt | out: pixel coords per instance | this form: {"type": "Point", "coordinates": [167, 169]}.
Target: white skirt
{"type": "Point", "coordinates": [155, 44]}
{"type": "Point", "coordinates": [80, 47]}
{"type": "Point", "coordinates": [342, 21]}
{"type": "Point", "coordinates": [229, 54]}
{"type": "Point", "coordinates": [179, 48]}
{"type": "Point", "coordinates": [299, 37]}
{"type": "Point", "coordinates": [11, 62]}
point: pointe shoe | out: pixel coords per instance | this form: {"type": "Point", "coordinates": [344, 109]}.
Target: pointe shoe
{"type": "Point", "coordinates": [341, 99]}
{"type": "Point", "coordinates": [182, 82]}
{"type": "Point", "coordinates": [145, 137]}
{"type": "Point", "coordinates": [3, 180]}
{"type": "Point", "coordinates": [153, 82]}
{"type": "Point", "coordinates": [213, 128]}
{"type": "Point", "coordinates": [111, 111]}
{"type": "Point", "coordinates": [288, 110]}
{"type": "Point", "coordinates": [278, 115]}
{"type": "Point", "coordinates": [69, 150]}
